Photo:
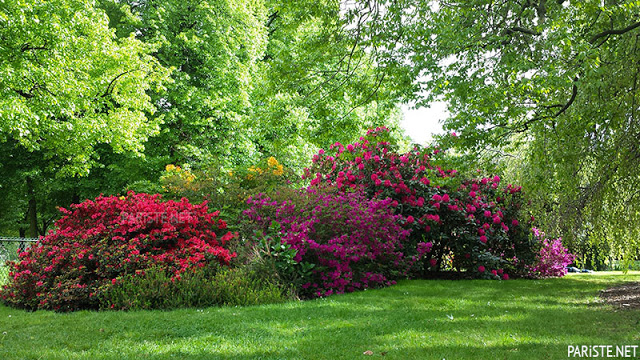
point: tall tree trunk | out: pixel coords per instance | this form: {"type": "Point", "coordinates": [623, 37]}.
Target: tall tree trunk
{"type": "Point", "coordinates": [75, 198]}
{"type": "Point", "coordinates": [32, 214]}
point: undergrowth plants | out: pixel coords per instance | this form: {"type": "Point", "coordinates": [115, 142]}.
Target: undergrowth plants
{"type": "Point", "coordinates": [212, 286]}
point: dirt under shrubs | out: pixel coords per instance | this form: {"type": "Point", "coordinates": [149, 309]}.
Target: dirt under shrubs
{"type": "Point", "coordinates": [625, 296]}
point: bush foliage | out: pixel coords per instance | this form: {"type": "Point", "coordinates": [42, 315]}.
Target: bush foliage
{"type": "Point", "coordinates": [228, 189]}
{"type": "Point", "coordinates": [197, 287]}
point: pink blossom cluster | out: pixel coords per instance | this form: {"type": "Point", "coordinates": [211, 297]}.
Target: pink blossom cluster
{"type": "Point", "coordinates": [355, 242]}
{"type": "Point", "coordinates": [472, 223]}
{"type": "Point", "coordinates": [553, 258]}
{"type": "Point", "coordinates": [98, 241]}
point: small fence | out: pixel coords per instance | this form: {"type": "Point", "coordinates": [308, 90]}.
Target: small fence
{"type": "Point", "coordinates": [9, 247]}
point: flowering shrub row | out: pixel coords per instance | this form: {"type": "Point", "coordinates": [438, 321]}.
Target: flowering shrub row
{"type": "Point", "coordinates": [472, 224]}
{"type": "Point", "coordinates": [353, 242]}
{"type": "Point", "coordinates": [370, 215]}
{"type": "Point", "coordinates": [98, 242]}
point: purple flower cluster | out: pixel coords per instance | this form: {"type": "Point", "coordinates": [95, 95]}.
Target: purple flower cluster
{"type": "Point", "coordinates": [553, 258]}
{"type": "Point", "coordinates": [355, 242]}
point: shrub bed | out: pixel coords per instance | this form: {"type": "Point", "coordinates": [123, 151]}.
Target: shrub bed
{"type": "Point", "coordinates": [369, 216]}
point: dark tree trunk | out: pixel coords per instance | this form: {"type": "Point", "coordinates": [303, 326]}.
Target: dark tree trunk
{"type": "Point", "coordinates": [32, 214]}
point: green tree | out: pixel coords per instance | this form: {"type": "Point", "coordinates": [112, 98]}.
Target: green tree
{"type": "Point", "coordinates": [67, 84]}
{"type": "Point", "coordinates": [317, 83]}
{"type": "Point", "coordinates": [214, 47]}
{"type": "Point", "coordinates": [257, 78]}
{"type": "Point", "coordinates": [553, 82]}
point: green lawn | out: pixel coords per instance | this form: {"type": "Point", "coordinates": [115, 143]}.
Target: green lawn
{"type": "Point", "coordinates": [516, 319]}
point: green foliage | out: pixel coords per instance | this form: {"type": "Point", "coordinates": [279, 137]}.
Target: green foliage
{"type": "Point", "coordinates": [317, 84]}
{"type": "Point", "coordinates": [266, 253]}
{"type": "Point", "coordinates": [67, 84]}
{"type": "Point", "coordinates": [157, 289]}
{"type": "Point", "coordinates": [227, 189]}
{"type": "Point", "coordinates": [257, 78]}
{"type": "Point", "coordinates": [214, 47]}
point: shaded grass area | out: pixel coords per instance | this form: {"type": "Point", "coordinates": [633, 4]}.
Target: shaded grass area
{"type": "Point", "coordinates": [420, 319]}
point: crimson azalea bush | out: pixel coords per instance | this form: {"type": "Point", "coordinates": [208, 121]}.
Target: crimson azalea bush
{"type": "Point", "coordinates": [346, 241]}
{"type": "Point", "coordinates": [98, 242]}
{"type": "Point", "coordinates": [472, 224]}
{"type": "Point", "coordinates": [553, 258]}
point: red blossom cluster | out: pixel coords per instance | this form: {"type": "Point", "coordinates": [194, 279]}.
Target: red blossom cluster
{"type": "Point", "coordinates": [99, 241]}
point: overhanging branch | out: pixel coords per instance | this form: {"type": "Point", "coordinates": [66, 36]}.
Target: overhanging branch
{"type": "Point", "coordinates": [523, 30]}
{"type": "Point", "coordinates": [614, 32]}
{"type": "Point", "coordinates": [111, 85]}
{"type": "Point", "coordinates": [574, 93]}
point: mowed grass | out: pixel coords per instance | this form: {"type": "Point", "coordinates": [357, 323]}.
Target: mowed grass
{"type": "Point", "coordinates": [436, 319]}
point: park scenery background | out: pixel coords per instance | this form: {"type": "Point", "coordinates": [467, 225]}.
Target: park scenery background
{"type": "Point", "coordinates": [229, 179]}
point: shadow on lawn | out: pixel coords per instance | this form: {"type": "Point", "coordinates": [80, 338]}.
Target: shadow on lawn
{"type": "Point", "coordinates": [416, 319]}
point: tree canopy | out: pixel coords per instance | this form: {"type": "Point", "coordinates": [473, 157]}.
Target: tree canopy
{"type": "Point", "coordinates": [67, 83]}
{"type": "Point", "coordinates": [105, 93]}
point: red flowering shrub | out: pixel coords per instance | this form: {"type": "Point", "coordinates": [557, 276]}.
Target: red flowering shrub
{"type": "Point", "coordinates": [472, 223]}
{"type": "Point", "coordinates": [98, 242]}
{"type": "Point", "coordinates": [343, 240]}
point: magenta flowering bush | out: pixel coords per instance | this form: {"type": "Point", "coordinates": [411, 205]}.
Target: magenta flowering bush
{"type": "Point", "coordinates": [353, 242]}
{"type": "Point", "coordinates": [553, 258]}
{"type": "Point", "coordinates": [99, 242]}
{"type": "Point", "coordinates": [474, 225]}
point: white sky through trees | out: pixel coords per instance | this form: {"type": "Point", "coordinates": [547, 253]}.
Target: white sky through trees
{"type": "Point", "coordinates": [422, 123]}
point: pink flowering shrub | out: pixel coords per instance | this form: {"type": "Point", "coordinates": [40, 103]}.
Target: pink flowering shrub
{"type": "Point", "coordinates": [98, 242]}
{"type": "Point", "coordinates": [472, 224]}
{"type": "Point", "coordinates": [350, 241]}
{"type": "Point", "coordinates": [553, 258]}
